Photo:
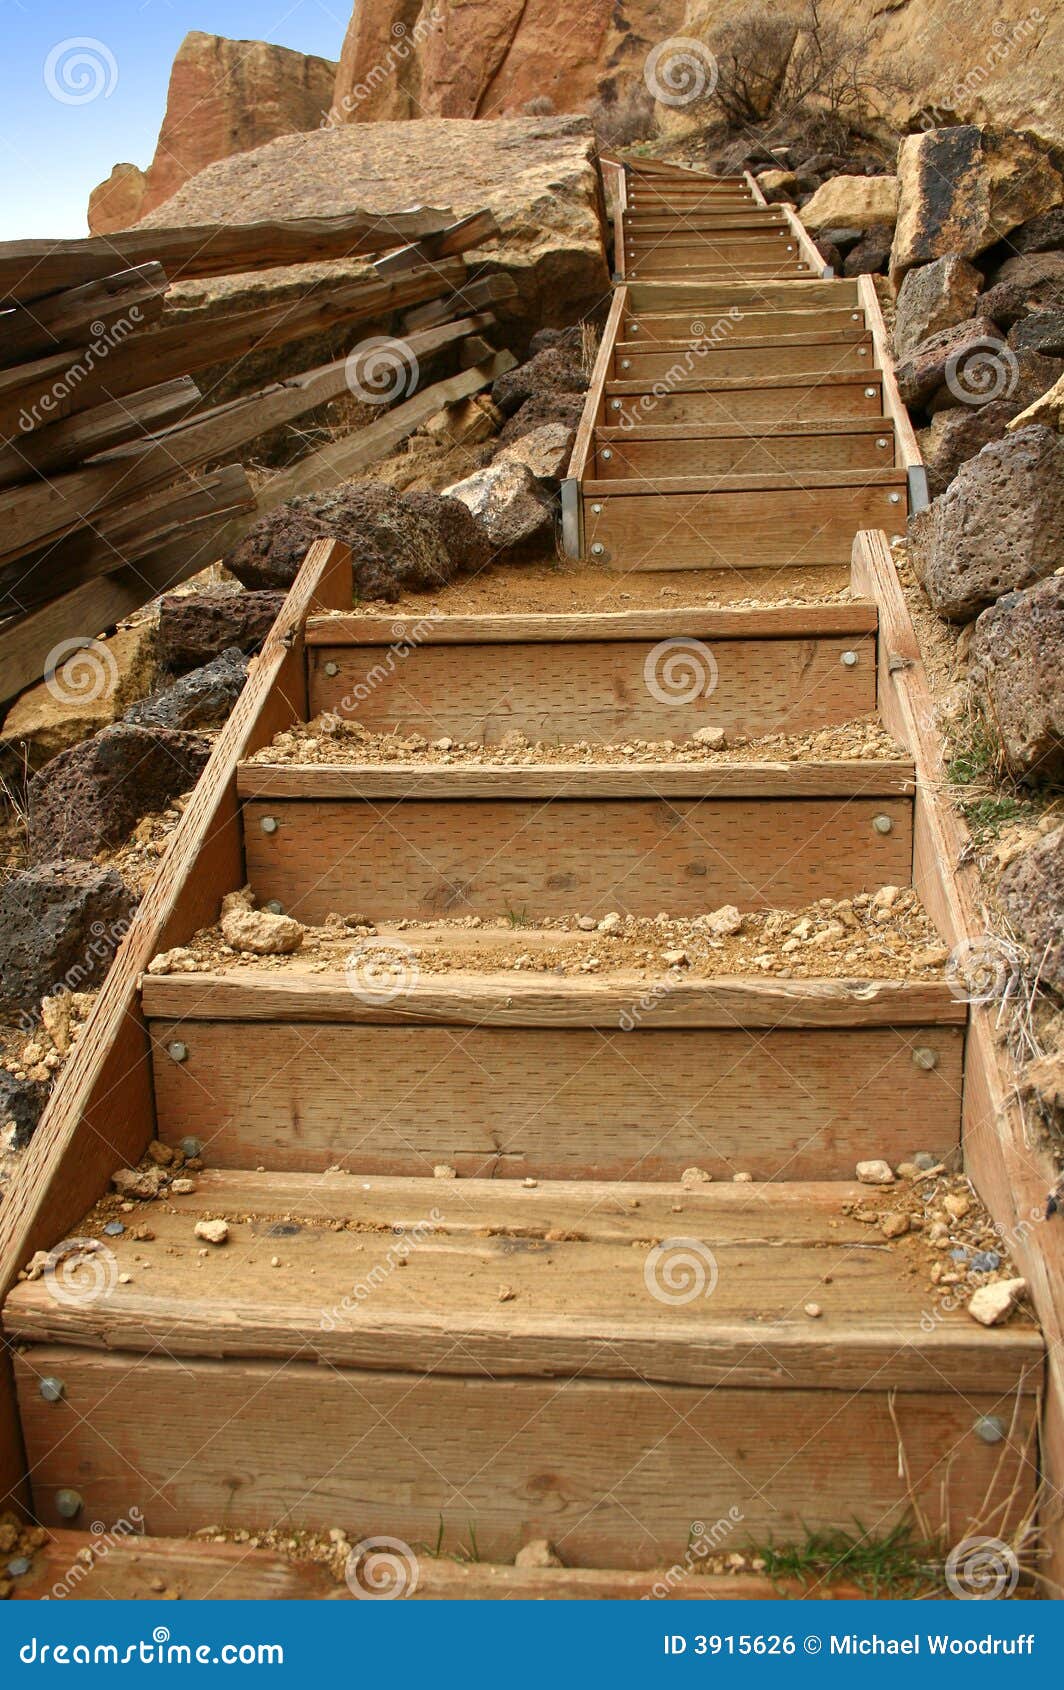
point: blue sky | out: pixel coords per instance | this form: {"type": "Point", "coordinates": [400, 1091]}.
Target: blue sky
{"type": "Point", "coordinates": [54, 150]}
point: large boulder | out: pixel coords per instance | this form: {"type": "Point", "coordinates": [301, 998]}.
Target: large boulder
{"type": "Point", "coordinates": [224, 97]}
{"type": "Point", "coordinates": [93, 796]}
{"type": "Point", "coordinates": [398, 540]}
{"type": "Point", "coordinates": [1038, 274]}
{"type": "Point", "coordinates": [957, 435]}
{"type": "Point", "coordinates": [194, 627]}
{"type": "Point", "coordinates": [968, 364]}
{"type": "Point", "coordinates": [1041, 332]}
{"type": "Point", "coordinates": [962, 189]}
{"type": "Point", "coordinates": [997, 526]}
{"type": "Point", "coordinates": [538, 175]}
{"type": "Point", "coordinates": [1048, 409]}
{"type": "Point", "coordinates": [870, 255]}
{"type": "Point", "coordinates": [556, 370]}
{"type": "Point", "coordinates": [1032, 892]}
{"type": "Point", "coordinates": [854, 202]}
{"type": "Point", "coordinates": [1040, 234]}
{"type": "Point", "coordinates": [86, 687]}
{"type": "Point", "coordinates": [201, 699]}
{"type": "Point", "coordinates": [934, 297]}
{"type": "Point", "coordinates": [60, 925]}
{"type": "Point", "coordinates": [1017, 663]}
{"type": "Point", "coordinates": [506, 500]}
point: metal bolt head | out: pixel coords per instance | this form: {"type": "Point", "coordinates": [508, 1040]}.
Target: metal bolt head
{"type": "Point", "coordinates": [190, 1146]}
{"type": "Point", "coordinates": [268, 824]}
{"type": "Point", "coordinates": [597, 549]}
{"type": "Point", "coordinates": [882, 824]}
{"type": "Point", "coordinates": [626, 363]}
{"type": "Point", "coordinates": [606, 453]}
{"type": "Point", "coordinates": [862, 352]}
{"type": "Point", "coordinates": [869, 392]}
{"type": "Point", "coordinates": [882, 442]}
{"type": "Point", "coordinates": [177, 1051]}
{"type": "Point", "coordinates": [69, 1504]}
{"type": "Point", "coordinates": [633, 328]}
{"type": "Point", "coordinates": [615, 404]}
{"type": "Point", "coordinates": [597, 509]}
{"type": "Point", "coordinates": [51, 1388]}
{"type": "Point", "coordinates": [332, 668]}
{"type": "Point", "coordinates": [848, 660]}
{"type": "Point", "coordinates": [895, 498]}
{"type": "Point", "coordinates": [989, 1427]}
{"type": "Point", "coordinates": [926, 1058]}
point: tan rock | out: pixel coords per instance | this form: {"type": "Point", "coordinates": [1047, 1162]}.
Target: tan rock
{"type": "Point", "coordinates": [852, 202]}
{"type": "Point", "coordinates": [86, 689]}
{"type": "Point", "coordinates": [992, 1304]}
{"type": "Point", "coordinates": [262, 932]}
{"type": "Point", "coordinates": [875, 1172]}
{"type": "Point", "coordinates": [212, 1232]}
{"type": "Point", "coordinates": [964, 188]}
{"type": "Point", "coordinates": [538, 1553]}
{"type": "Point", "coordinates": [545, 451]}
{"type": "Point", "coordinates": [776, 185]}
{"type": "Point", "coordinates": [537, 174]}
{"type": "Point", "coordinates": [224, 97]}
{"type": "Point", "coordinates": [1047, 410]}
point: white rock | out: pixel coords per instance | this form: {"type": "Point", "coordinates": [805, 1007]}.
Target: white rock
{"type": "Point", "coordinates": [992, 1304]}
{"type": "Point", "coordinates": [722, 922]}
{"type": "Point", "coordinates": [695, 1176]}
{"type": "Point", "coordinates": [875, 1173]}
{"type": "Point", "coordinates": [610, 923]}
{"type": "Point", "coordinates": [539, 1553]}
{"type": "Point", "coordinates": [443, 1170]}
{"type": "Point", "coordinates": [715, 738]}
{"type": "Point", "coordinates": [259, 931]}
{"type": "Point", "coordinates": [212, 1232]}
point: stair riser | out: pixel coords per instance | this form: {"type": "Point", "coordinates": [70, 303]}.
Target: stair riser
{"type": "Point", "coordinates": [713, 359]}
{"type": "Point", "coordinates": [741, 455]}
{"type": "Point", "coordinates": [804, 402]}
{"type": "Point", "coordinates": [597, 691]}
{"type": "Point", "coordinates": [433, 859]}
{"type": "Point", "coordinates": [697, 269]}
{"type": "Point", "coordinates": [771, 528]}
{"type": "Point", "coordinates": [578, 1103]}
{"type": "Point", "coordinates": [726, 248]}
{"type": "Point", "coordinates": [660, 325]}
{"type": "Point", "coordinates": [592, 1466]}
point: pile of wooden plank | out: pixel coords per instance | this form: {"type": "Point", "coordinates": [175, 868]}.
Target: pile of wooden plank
{"type": "Point", "coordinates": [117, 479]}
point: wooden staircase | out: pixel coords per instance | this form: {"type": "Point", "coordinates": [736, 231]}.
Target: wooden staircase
{"type": "Point", "coordinates": [580, 1345]}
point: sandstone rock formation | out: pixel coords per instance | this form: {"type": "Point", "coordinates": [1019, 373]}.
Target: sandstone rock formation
{"type": "Point", "coordinates": [537, 174]}
{"type": "Point", "coordinates": [934, 297]}
{"type": "Point", "coordinates": [853, 202]}
{"type": "Point", "coordinates": [968, 61]}
{"type": "Point", "coordinates": [224, 97]}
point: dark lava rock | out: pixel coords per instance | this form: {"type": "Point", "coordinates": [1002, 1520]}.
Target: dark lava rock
{"type": "Point", "coordinates": [93, 795]}
{"type": "Point", "coordinates": [201, 699]}
{"type": "Point", "coordinates": [194, 627]}
{"type": "Point", "coordinates": [60, 925]}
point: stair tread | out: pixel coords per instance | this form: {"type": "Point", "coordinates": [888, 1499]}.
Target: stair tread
{"type": "Point", "coordinates": [731, 384]}
{"type": "Point", "coordinates": [857, 778]}
{"type": "Point", "coordinates": [754, 431]}
{"type": "Point", "coordinates": [600, 1277]}
{"type": "Point", "coordinates": [856, 336]}
{"type": "Point", "coordinates": [288, 991]}
{"type": "Point", "coordinates": [759, 482]}
{"type": "Point", "coordinates": [852, 616]}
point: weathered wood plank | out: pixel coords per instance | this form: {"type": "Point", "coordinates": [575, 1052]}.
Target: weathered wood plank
{"type": "Point", "coordinates": [71, 441]}
{"type": "Point", "coordinates": [426, 1457]}
{"type": "Point", "coordinates": [66, 319]}
{"type": "Point", "coordinates": [784, 621]}
{"type": "Point", "coordinates": [519, 1000]}
{"type": "Point", "coordinates": [581, 689]}
{"type": "Point", "coordinates": [580, 1104]}
{"type": "Point", "coordinates": [435, 857]}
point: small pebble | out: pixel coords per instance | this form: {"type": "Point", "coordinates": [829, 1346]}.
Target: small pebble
{"type": "Point", "coordinates": [212, 1232]}
{"type": "Point", "coordinates": [114, 1229]}
{"type": "Point", "coordinates": [813, 1310]}
{"type": "Point", "coordinates": [875, 1173]}
{"type": "Point", "coordinates": [443, 1170]}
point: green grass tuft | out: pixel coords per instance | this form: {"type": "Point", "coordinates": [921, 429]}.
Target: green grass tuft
{"type": "Point", "coordinates": [894, 1564]}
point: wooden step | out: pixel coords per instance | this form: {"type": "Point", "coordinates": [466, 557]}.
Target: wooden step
{"type": "Point", "coordinates": [93, 1566]}
{"type": "Point", "coordinates": [720, 353]}
{"type": "Point", "coordinates": [427, 1400]}
{"type": "Point", "coordinates": [400, 842]}
{"type": "Point", "coordinates": [748, 320]}
{"type": "Point", "coordinates": [511, 1075]}
{"type": "Point", "coordinates": [743, 521]}
{"type": "Point", "coordinates": [832, 292]}
{"type": "Point", "coordinates": [729, 247]}
{"type": "Point", "coordinates": [746, 399]}
{"type": "Point", "coordinates": [721, 449]}
{"type": "Point", "coordinates": [598, 678]}
{"type": "Point", "coordinates": [780, 268]}
{"type": "Point", "coordinates": [725, 221]}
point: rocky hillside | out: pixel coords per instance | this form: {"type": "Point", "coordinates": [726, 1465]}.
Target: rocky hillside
{"type": "Point", "coordinates": [967, 60]}
{"type": "Point", "coordinates": [224, 97]}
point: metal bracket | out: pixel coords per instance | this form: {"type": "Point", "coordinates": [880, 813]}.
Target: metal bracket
{"type": "Point", "coordinates": [919, 493]}
{"type": "Point", "coordinates": [571, 516]}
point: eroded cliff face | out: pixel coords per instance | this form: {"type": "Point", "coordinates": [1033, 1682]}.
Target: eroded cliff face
{"type": "Point", "coordinates": [971, 60]}
{"type": "Point", "coordinates": [224, 97]}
